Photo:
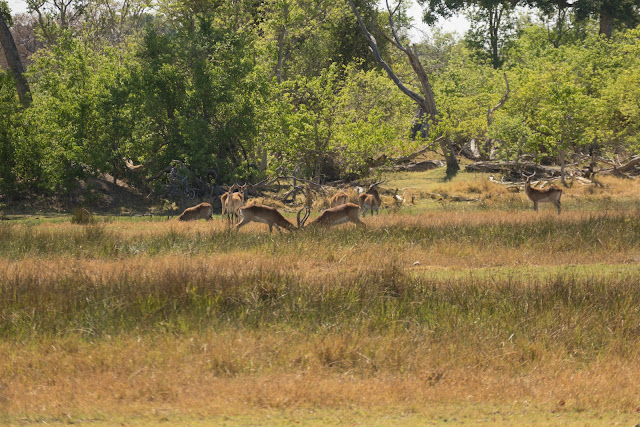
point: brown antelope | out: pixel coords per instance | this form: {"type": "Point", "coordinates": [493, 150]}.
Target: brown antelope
{"type": "Point", "coordinates": [349, 212]}
{"type": "Point", "coordinates": [340, 198]}
{"type": "Point", "coordinates": [223, 202]}
{"type": "Point", "coordinates": [398, 200]}
{"type": "Point", "coordinates": [234, 201]}
{"type": "Point", "coordinates": [266, 215]}
{"type": "Point", "coordinates": [201, 211]}
{"type": "Point", "coordinates": [551, 194]}
{"type": "Point", "coordinates": [370, 200]}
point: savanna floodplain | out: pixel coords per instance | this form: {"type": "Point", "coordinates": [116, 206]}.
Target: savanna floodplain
{"type": "Point", "coordinates": [474, 311]}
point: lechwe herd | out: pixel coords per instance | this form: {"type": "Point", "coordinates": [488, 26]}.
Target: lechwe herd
{"type": "Point", "coordinates": [340, 212]}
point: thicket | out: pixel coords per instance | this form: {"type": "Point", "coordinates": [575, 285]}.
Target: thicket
{"type": "Point", "coordinates": [237, 92]}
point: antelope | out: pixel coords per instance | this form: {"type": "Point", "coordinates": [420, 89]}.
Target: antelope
{"type": "Point", "coordinates": [234, 201]}
{"type": "Point", "coordinates": [370, 199]}
{"type": "Point", "coordinates": [546, 195]}
{"type": "Point", "coordinates": [266, 215]}
{"type": "Point", "coordinates": [340, 198]}
{"type": "Point", "coordinates": [201, 211]}
{"type": "Point", "coordinates": [223, 202]}
{"type": "Point", "coordinates": [398, 200]}
{"type": "Point", "coordinates": [349, 212]}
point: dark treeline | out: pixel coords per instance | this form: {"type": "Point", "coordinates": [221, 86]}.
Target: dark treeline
{"type": "Point", "coordinates": [217, 91]}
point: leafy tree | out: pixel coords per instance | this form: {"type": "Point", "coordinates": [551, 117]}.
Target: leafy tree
{"type": "Point", "coordinates": [571, 98]}
{"type": "Point", "coordinates": [11, 54]}
{"type": "Point", "coordinates": [70, 81]}
{"type": "Point", "coordinates": [333, 126]}
{"type": "Point", "coordinates": [9, 119]}
{"type": "Point", "coordinates": [427, 115]}
{"type": "Point", "coordinates": [608, 12]}
{"type": "Point", "coordinates": [493, 23]}
{"type": "Point", "coordinates": [195, 96]}
{"type": "Point", "coordinates": [467, 90]}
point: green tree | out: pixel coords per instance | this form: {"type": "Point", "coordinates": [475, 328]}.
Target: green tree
{"type": "Point", "coordinates": [493, 23]}
{"type": "Point", "coordinates": [195, 94]}
{"type": "Point", "coordinates": [12, 56]}
{"type": "Point", "coordinates": [625, 13]}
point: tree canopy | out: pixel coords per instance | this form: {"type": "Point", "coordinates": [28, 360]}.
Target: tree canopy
{"type": "Point", "coordinates": [215, 92]}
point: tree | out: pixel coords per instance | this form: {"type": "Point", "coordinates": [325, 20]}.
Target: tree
{"type": "Point", "coordinates": [427, 112]}
{"type": "Point", "coordinates": [608, 12]}
{"type": "Point", "coordinates": [195, 95]}
{"type": "Point", "coordinates": [333, 126]}
{"type": "Point", "coordinates": [55, 16]}
{"type": "Point", "coordinates": [492, 23]}
{"type": "Point", "coordinates": [11, 53]}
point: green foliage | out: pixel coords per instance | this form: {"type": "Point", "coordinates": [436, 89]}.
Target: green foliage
{"type": "Point", "coordinates": [5, 13]}
{"type": "Point", "coordinates": [465, 90]}
{"type": "Point", "coordinates": [332, 126]}
{"type": "Point", "coordinates": [194, 98]}
{"type": "Point", "coordinates": [70, 130]}
{"type": "Point", "coordinates": [219, 88]}
{"type": "Point", "coordinates": [10, 113]}
{"type": "Point", "coordinates": [571, 97]}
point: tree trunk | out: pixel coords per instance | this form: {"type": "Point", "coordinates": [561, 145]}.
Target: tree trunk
{"type": "Point", "coordinates": [606, 22]}
{"type": "Point", "coordinates": [449, 156]}
{"type": "Point", "coordinates": [420, 125]}
{"type": "Point", "coordinates": [562, 171]}
{"type": "Point", "coordinates": [13, 59]}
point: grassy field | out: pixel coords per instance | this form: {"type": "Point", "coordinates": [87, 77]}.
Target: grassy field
{"type": "Point", "coordinates": [467, 312]}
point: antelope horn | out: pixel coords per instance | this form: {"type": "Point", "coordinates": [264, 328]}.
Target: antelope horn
{"type": "Point", "coordinates": [307, 210]}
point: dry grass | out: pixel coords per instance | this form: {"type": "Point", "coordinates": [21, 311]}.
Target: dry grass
{"type": "Point", "coordinates": [538, 312]}
{"type": "Point", "coordinates": [214, 374]}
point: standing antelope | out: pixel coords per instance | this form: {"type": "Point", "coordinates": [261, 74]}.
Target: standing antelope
{"type": "Point", "coordinates": [223, 202]}
{"type": "Point", "coordinates": [234, 201]}
{"type": "Point", "coordinates": [266, 215]}
{"type": "Point", "coordinates": [340, 198]}
{"type": "Point", "coordinates": [370, 200]}
{"type": "Point", "coordinates": [546, 195]}
{"type": "Point", "coordinates": [349, 212]}
{"type": "Point", "coordinates": [201, 211]}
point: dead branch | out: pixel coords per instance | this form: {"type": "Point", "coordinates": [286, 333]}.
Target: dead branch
{"type": "Point", "coordinates": [635, 160]}
{"type": "Point", "coordinates": [502, 101]}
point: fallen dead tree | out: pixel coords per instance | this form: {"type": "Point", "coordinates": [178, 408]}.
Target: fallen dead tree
{"type": "Point", "coordinates": [415, 166]}
{"type": "Point", "coordinates": [629, 169]}
{"type": "Point", "coordinates": [512, 168]}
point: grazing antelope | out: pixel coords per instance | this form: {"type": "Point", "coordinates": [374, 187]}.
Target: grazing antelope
{"type": "Point", "coordinates": [266, 215]}
{"type": "Point", "coordinates": [349, 212]}
{"type": "Point", "coordinates": [398, 200]}
{"type": "Point", "coordinates": [546, 195]}
{"type": "Point", "coordinates": [201, 211]}
{"type": "Point", "coordinates": [340, 198]}
{"type": "Point", "coordinates": [234, 201]}
{"type": "Point", "coordinates": [370, 200]}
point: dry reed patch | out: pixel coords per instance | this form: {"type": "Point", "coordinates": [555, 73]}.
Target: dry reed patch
{"type": "Point", "coordinates": [480, 187]}
{"type": "Point", "coordinates": [241, 372]}
{"type": "Point", "coordinates": [611, 187]}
